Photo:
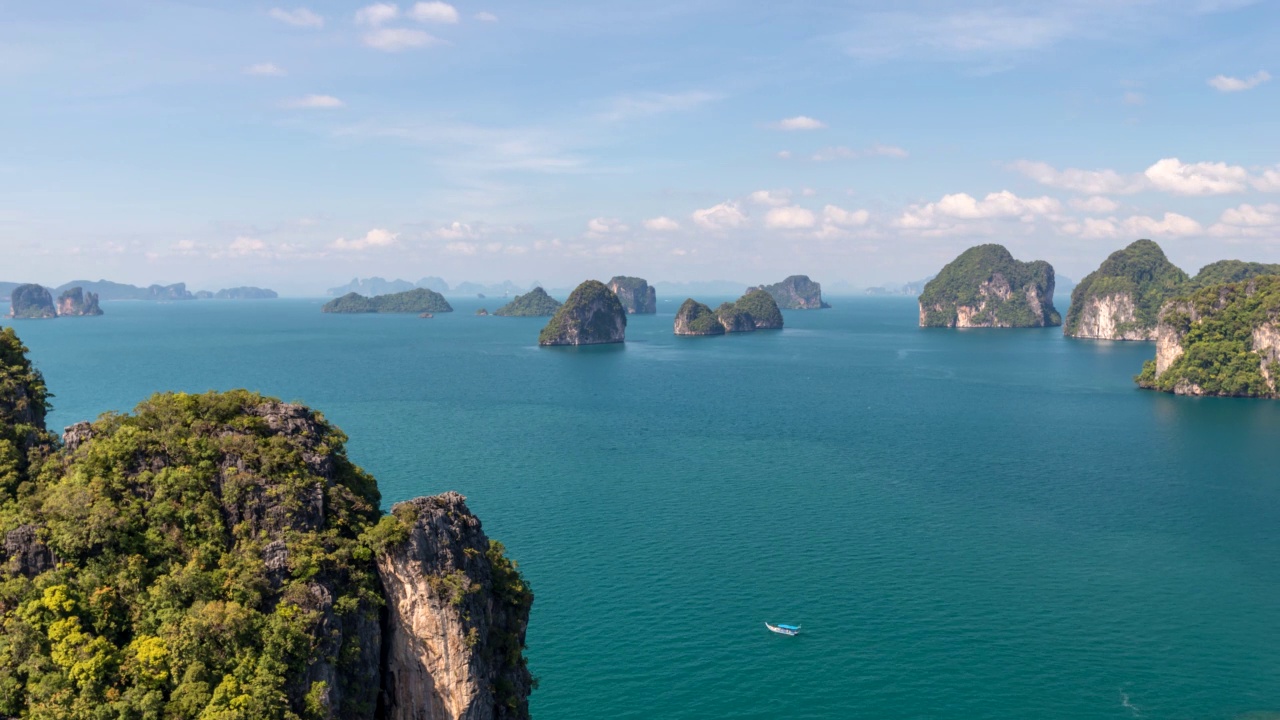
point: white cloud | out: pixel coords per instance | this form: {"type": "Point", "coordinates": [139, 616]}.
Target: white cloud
{"type": "Point", "coordinates": [799, 122]}
{"type": "Point", "coordinates": [772, 198]}
{"type": "Point", "coordinates": [1248, 221]}
{"type": "Point", "coordinates": [648, 104]}
{"type": "Point", "coordinates": [962, 206]}
{"type": "Point", "coordinates": [1095, 204]}
{"type": "Point", "coordinates": [461, 248]}
{"type": "Point", "coordinates": [661, 224]}
{"type": "Point", "coordinates": [833, 215]}
{"type": "Point", "coordinates": [790, 217]}
{"type": "Point", "coordinates": [375, 238]}
{"type": "Point", "coordinates": [486, 17]}
{"type": "Point", "coordinates": [1226, 84]}
{"type": "Point", "coordinates": [841, 152]}
{"type": "Point", "coordinates": [298, 17]}
{"type": "Point", "coordinates": [377, 14]}
{"type": "Point", "coordinates": [1172, 224]}
{"type": "Point", "coordinates": [243, 246]}
{"type": "Point", "coordinates": [1090, 182]}
{"type": "Point", "coordinates": [434, 12]}
{"type": "Point", "coordinates": [314, 102]}
{"type": "Point", "coordinates": [1268, 181]}
{"type": "Point", "coordinates": [264, 69]}
{"type": "Point", "coordinates": [725, 216]}
{"type": "Point", "coordinates": [455, 231]}
{"type": "Point", "coordinates": [1203, 178]}
{"type": "Point", "coordinates": [784, 154]}
{"type": "Point", "coordinates": [605, 226]}
{"type": "Point", "coordinates": [397, 39]}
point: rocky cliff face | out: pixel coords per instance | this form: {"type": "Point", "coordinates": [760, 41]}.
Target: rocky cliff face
{"type": "Point", "coordinates": [592, 315]}
{"type": "Point", "coordinates": [986, 287]}
{"type": "Point", "coordinates": [1220, 340]}
{"type": "Point", "coordinates": [456, 619]}
{"type": "Point", "coordinates": [797, 292]}
{"type": "Point", "coordinates": [635, 294]}
{"type": "Point", "coordinates": [1111, 317]}
{"type": "Point", "coordinates": [31, 302]}
{"type": "Point", "coordinates": [694, 318]}
{"type": "Point", "coordinates": [735, 319]}
{"type": "Point", "coordinates": [77, 302]}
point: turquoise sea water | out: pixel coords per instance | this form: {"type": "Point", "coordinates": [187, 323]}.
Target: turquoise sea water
{"type": "Point", "coordinates": [972, 524]}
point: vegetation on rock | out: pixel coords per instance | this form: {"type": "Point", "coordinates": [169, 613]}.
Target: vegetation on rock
{"type": "Point", "coordinates": [986, 287]}
{"type": "Point", "coordinates": [592, 314]}
{"type": "Point", "coordinates": [1140, 272]}
{"type": "Point", "coordinates": [75, 301]}
{"type": "Point", "coordinates": [635, 294]}
{"type": "Point", "coordinates": [1229, 271]}
{"type": "Point", "coordinates": [694, 318]}
{"type": "Point", "coordinates": [535, 303]}
{"type": "Point", "coordinates": [31, 302]}
{"type": "Point", "coordinates": [762, 308]}
{"type": "Point", "coordinates": [418, 300]}
{"type": "Point", "coordinates": [797, 292]}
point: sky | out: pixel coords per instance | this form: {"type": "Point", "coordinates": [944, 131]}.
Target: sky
{"type": "Point", "coordinates": [296, 146]}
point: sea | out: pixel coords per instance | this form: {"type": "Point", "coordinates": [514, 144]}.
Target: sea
{"type": "Point", "coordinates": [966, 524]}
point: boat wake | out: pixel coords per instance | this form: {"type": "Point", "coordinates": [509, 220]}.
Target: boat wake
{"type": "Point", "coordinates": [1124, 702]}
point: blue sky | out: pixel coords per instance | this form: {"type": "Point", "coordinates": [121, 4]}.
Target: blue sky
{"type": "Point", "coordinates": [297, 145]}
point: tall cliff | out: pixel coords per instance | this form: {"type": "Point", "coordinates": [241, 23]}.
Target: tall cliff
{"type": "Point", "coordinates": [76, 302]}
{"type": "Point", "coordinates": [1219, 340]}
{"type": "Point", "coordinates": [592, 315]}
{"type": "Point", "coordinates": [797, 292]}
{"type": "Point", "coordinates": [1121, 299]}
{"type": "Point", "coordinates": [218, 555]}
{"type": "Point", "coordinates": [635, 294]}
{"type": "Point", "coordinates": [32, 302]}
{"type": "Point", "coordinates": [694, 318]}
{"type": "Point", "coordinates": [986, 287]}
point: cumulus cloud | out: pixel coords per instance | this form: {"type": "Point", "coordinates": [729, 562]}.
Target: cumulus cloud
{"type": "Point", "coordinates": [1203, 178]}
{"type": "Point", "coordinates": [1248, 221]}
{"type": "Point", "coordinates": [661, 224]}
{"type": "Point", "coordinates": [375, 238]}
{"type": "Point", "coordinates": [725, 216]}
{"type": "Point", "coordinates": [1170, 225]}
{"type": "Point", "coordinates": [314, 102]}
{"type": "Point", "coordinates": [772, 198]}
{"type": "Point", "coordinates": [799, 122]}
{"type": "Point", "coordinates": [962, 206]}
{"type": "Point", "coordinates": [1267, 181]}
{"type": "Point", "coordinates": [1089, 182]}
{"type": "Point", "coordinates": [790, 217]}
{"type": "Point", "coordinates": [270, 69]}
{"type": "Point", "coordinates": [841, 152]}
{"type": "Point", "coordinates": [397, 39]}
{"type": "Point", "coordinates": [298, 17]}
{"type": "Point", "coordinates": [377, 14]}
{"type": "Point", "coordinates": [455, 231]}
{"type": "Point", "coordinates": [838, 216]}
{"type": "Point", "coordinates": [244, 246]}
{"type": "Point", "coordinates": [461, 248]}
{"type": "Point", "coordinates": [434, 12]}
{"type": "Point", "coordinates": [486, 17]}
{"type": "Point", "coordinates": [1226, 83]}
{"type": "Point", "coordinates": [600, 226]}
{"type": "Point", "coordinates": [1096, 204]}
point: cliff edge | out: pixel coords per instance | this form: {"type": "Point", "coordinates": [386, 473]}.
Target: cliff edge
{"type": "Point", "coordinates": [986, 287]}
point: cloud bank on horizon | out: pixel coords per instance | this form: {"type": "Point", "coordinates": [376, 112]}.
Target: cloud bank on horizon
{"type": "Point", "coordinates": [299, 144]}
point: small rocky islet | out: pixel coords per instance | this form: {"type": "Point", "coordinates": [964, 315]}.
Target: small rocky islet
{"type": "Point", "coordinates": [591, 315]}
{"type": "Point", "coordinates": [796, 292]}
{"type": "Point", "coordinates": [34, 302]}
{"type": "Point", "coordinates": [418, 300]}
{"type": "Point", "coordinates": [756, 310]}
{"type": "Point", "coordinates": [635, 294]}
{"type": "Point", "coordinates": [218, 555]}
{"type": "Point", "coordinates": [535, 303]}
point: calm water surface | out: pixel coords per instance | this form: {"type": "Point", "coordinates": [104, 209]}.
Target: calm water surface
{"type": "Point", "coordinates": [973, 524]}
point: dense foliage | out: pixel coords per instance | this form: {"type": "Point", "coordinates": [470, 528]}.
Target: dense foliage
{"type": "Point", "coordinates": [796, 292]}
{"type": "Point", "coordinates": [592, 308]}
{"type": "Point", "coordinates": [969, 281]}
{"type": "Point", "coordinates": [1215, 326]}
{"type": "Point", "coordinates": [762, 308]}
{"type": "Point", "coordinates": [1140, 271]}
{"type": "Point", "coordinates": [1228, 271]}
{"type": "Point", "coordinates": [24, 401]}
{"type": "Point", "coordinates": [535, 303]}
{"type": "Point", "coordinates": [698, 319]}
{"type": "Point", "coordinates": [31, 301]}
{"type": "Point", "coordinates": [418, 300]}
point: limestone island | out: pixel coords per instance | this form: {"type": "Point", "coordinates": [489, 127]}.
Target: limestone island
{"type": "Point", "coordinates": [535, 303]}
{"type": "Point", "coordinates": [986, 287]}
{"type": "Point", "coordinates": [244, 293]}
{"type": "Point", "coordinates": [34, 302]}
{"type": "Point", "coordinates": [1219, 340]}
{"type": "Point", "coordinates": [636, 295]}
{"type": "Point", "coordinates": [220, 556]}
{"type": "Point", "coordinates": [592, 315]}
{"type": "Point", "coordinates": [797, 292]}
{"type": "Point", "coordinates": [754, 311]}
{"type": "Point", "coordinates": [1121, 300]}
{"type": "Point", "coordinates": [418, 300]}
{"type": "Point", "coordinates": [482, 312]}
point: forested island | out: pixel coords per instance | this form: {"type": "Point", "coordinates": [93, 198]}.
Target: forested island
{"type": "Point", "coordinates": [219, 556]}
{"type": "Point", "coordinates": [535, 303]}
{"type": "Point", "coordinates": [592, 315]}
{"type": "Point", "coordinates": [32, 302]}
{"type": "Point", "coordinates": [797, 292]}
{"type": "Point", "coordinates": [419, 300]}
{"type": "Point", "coordinates": [756, 310]}
{"type": "Point", "coordinates": [986, 287]}
{"type": "Point", "coordinates": [636, 295]}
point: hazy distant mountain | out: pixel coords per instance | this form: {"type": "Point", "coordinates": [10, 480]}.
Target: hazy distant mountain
{"type": "Point", "coordinates": [108, 290]}
{"type": "Point", "coordinates": [699, 287]}
{"type": "Point", "coordinates": [1063, 285]}
{"type": "Point", "coordinates": [431, 282]}
{"type": "Point", "coordinates": [372, 287]}
{"type": "Point", "coordinates": [6, 289]}
{"type": "Point", "coordinates": [911, 289]}
{"type": "Point", "coordinates": [505, 288]}
{"type": "Point", "coordinates": [245, 293]}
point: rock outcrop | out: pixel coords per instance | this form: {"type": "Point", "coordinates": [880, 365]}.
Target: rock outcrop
{"type": "Point", "coordinates": [694, 318]}
{"type": "Point", "coordinates": [635, 294]}
{"type": "Point", "coordinates": [245, 293]}
{"type": "Point", "coordinates": [456, 613]}
{"type": "Point", "coordinates": [797, 292]}
{"type": "Point", "coordinates": [1219, 340]}
{"type": "Point", "coordinates": [1121, 300]}
{"type": "Point", "coordinates": [535, 303]}
{"type": "Point", "coordinates": [762, 308]}
{"type": "Point", "coordinates": [735, 319]}
{"type": "Point", "coordinates": [32, 302]}
{"type": "Point", "coordinates": [592, 315]}
{"type": "Point", "coordinates": [418, 300]}
{"type": "Point", "coordinates": [77, 302]}
{"type": "Point", "coordinates": [986, 287]}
